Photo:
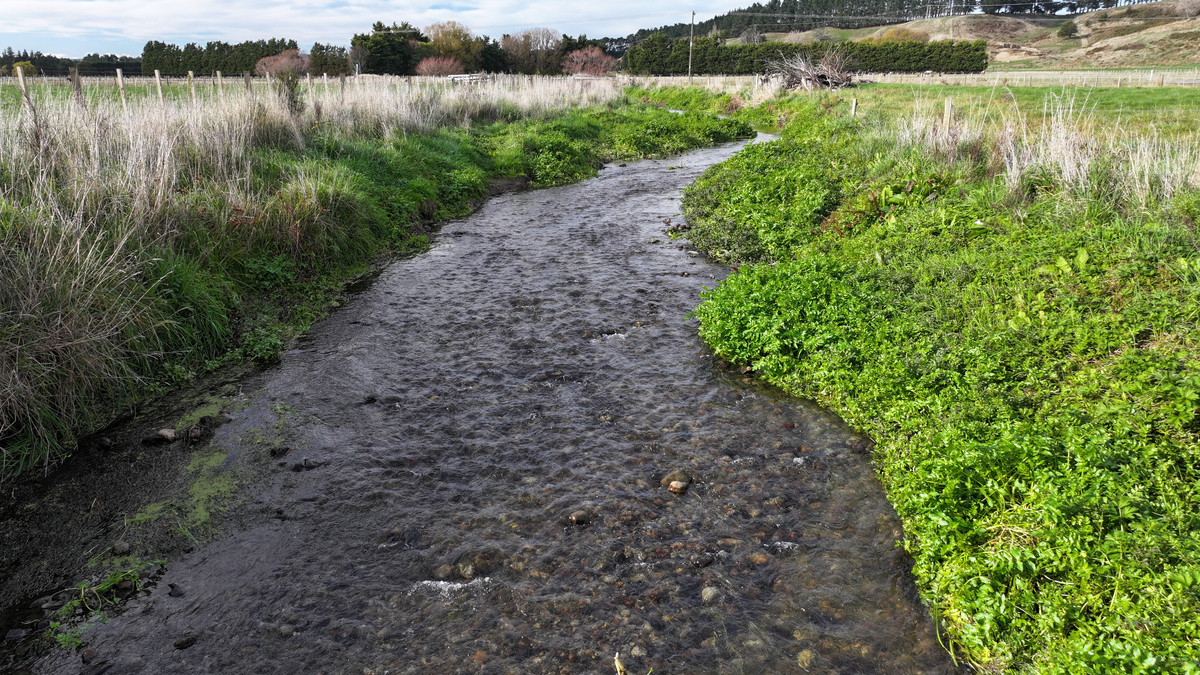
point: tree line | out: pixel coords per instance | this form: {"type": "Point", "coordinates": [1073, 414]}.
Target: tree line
{"type": "Point", "coordinates": [48, 64]}
{"type": "Point", "coordinates": [213, 56]}
{"type": "Point", "coordinates": [659, 55]}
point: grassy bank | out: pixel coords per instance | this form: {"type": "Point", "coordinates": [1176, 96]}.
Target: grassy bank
{"type": "Point", "coordinates": [1013, 317]}
{"type": "Point", "coordinates": [140, 247]}
{"type": "Point", "coordinates": [1162, 111]}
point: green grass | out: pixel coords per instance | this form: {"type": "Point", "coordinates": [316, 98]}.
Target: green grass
{"type": "Point", "coordinates": [1024, 352]}
{"type": "Point", "coordinates": [232, 267]}
{"type": "Point", "coordinates": [1167, 111]}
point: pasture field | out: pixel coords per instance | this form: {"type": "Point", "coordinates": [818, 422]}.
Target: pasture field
{"type": "Point", "coordinates": [1009, 307]}
{"type": "Point", "coordinates": [143, 244]}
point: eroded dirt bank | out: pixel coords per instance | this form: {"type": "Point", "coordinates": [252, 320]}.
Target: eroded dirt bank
{"type": "Point", "coordinates": [473, 479]}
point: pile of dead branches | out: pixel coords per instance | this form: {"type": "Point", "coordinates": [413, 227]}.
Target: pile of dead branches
{"type": "Point", "coordinates": [799, 71]}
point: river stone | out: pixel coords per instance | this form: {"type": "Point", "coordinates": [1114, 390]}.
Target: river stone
{"type": "Point", "coordinates": [709, 594]}
{"type": "Point", "coordinates": [88, 656]}
{"type": "Point", "coordinates": [120, 548]}
{"type": "Point", "coordinates": [185, 642]}
{"type": "Point", "coordinates": [582, 517]}
{"type": "Point", "coordinates": [678, 487]}
{"type": "Point", "coordinates": [167, 434]}
{"type": "Point", "coordinates": [287, 630]}
{"type": "Point", "coordinates": [676, 476]}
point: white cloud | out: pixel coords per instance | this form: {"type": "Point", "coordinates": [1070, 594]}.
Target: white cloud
{"type": "Point", "coordinates": [77, 27]}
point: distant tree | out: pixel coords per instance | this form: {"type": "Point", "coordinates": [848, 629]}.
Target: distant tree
{"type": "Point", "coordinates": [227, 58]}
{"type": "Point", "coordinates": [439, 66]}
{"type": "Point", "coordinates": [289, 61]}
{"type": "Point", "coordinates": [492, 58]}
{"type": "Point", "coordinates": [27, 68]}
{"type": "Point", "coordinates": [751, 36]}
{"type": "Point", "coordinates": [1068, 30]}
{"type": "Point", "coordinates": [388, 50]}
{"type": "Point", "coordinates": [328, 60]}
{"type": "Point", "coordinates": [590, 60]}
{"type": "Point", "coordinates": [533, 51]}
{"type": "Point", "coordinates": [454, 40]}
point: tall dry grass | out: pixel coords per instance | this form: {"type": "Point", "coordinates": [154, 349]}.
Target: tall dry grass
{"type": "Point", "coordinates": [89, 193]}
{"type": "Point", "coordinates": [1066, 144]}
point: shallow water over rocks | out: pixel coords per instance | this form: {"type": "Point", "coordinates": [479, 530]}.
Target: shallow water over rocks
{"type": "Point", "coordinates": [478, 443]}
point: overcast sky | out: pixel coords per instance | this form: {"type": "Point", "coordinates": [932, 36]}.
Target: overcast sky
{"type": "Point", "coordinates": [77, 27]}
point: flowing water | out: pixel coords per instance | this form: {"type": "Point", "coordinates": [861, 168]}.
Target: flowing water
{"type": "Point", "coordinates": [478, 442]}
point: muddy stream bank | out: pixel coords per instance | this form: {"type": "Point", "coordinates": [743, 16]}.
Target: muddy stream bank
{"type": "Point", "coordinates": [468, 477]}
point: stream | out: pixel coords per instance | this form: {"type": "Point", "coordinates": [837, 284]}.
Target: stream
{"type": "Point", "coordinates": [471, 479]}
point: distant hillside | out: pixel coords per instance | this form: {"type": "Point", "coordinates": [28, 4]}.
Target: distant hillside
{"type": "Point", "coordinates": [1133, 36]}
{"type": "Point", "coordinates": [783, 16]}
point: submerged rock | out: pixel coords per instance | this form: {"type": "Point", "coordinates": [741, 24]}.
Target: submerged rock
{"type": "Point", "coordinates": [677, 481]}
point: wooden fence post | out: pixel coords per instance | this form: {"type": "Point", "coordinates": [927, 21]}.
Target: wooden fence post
{"type": "Point", "coordinates": [342, 82]}
{"type": "Point", "coordinates": [220, 87]}
{"type": "Point", "coordinates": [121, 87]}
{"type": "Point", "coordinates": [77, 87]}
{"type": "Point", "coordinates": [948, 113]}
{"type": "Point", "coordinates": [192, 85]}
{"type": "Point", "coordinates": [158, 85]}
{"type": "Point", "coordinates": [325, 80]}
{"type": "Point", "coordinates": [24, 91]}
{"type": "Point", "coordinates": [249, 82]}
{"type": "Point", "coordinates": [854, 107]}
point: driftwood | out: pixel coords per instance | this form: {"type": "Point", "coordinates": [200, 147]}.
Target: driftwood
{"type": "Point", "coordinates": [797, 71]}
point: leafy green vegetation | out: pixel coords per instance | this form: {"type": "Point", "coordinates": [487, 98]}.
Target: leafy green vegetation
{"type": "Point", "coordinates": [657, 55]}
{"type": "Point", "coordinates": [1020, 340]}
{"type": "Point", "coordinates": [249, 234]}
{"type": "Point", "coordinates": [88, 600]}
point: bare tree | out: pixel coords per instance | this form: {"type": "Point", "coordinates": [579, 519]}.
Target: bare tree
{"type": "Point", "coordinates": [290, 60]}
{"type": "Point", "coordinates": [590, 60]}
{"type": "Point", "coordinates": [534, 50]}
{"type": "Point", "coordinates": [751, 36]}
{"type": "Point", "coordinates": [439, 66]}
{"type": "Point", "coordinates": [798, 71]}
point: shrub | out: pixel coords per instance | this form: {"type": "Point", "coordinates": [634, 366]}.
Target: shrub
{"type": "Point", "coordinates": [439, 66]}
{"type": "Point", "coordinates": [590, 60]}
{"type": "Point", "coordinates": [899, 34]}
{"type": "Point", "coordinates": [1068, 30]}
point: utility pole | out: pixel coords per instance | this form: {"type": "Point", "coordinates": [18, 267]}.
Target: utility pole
{"type": "Point", "coordinates": [691, 40]}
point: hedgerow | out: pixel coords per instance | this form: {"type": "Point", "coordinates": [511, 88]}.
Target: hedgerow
{"type": "Point", "coordinates": [656, 55]}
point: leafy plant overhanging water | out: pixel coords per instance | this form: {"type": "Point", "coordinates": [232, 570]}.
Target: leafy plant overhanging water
{"type": "Point", "coordinates": [1014, 320]}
